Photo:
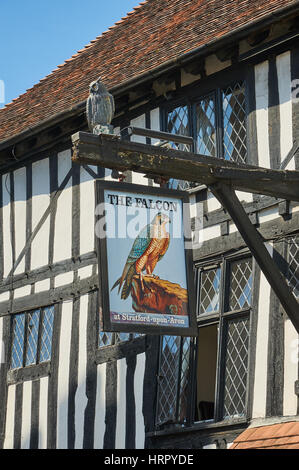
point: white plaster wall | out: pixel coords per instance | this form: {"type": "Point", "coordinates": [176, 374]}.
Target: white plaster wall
{"type": "Point", "coordinates": [63, 279]}
{"type": "Point", "coordinates": [267, 215]}
{"type": "Point", "coordinates": [209, 233]}
{"type": "Point", "coordinates": [10, 417]}
{"type": "Point", "coordinates": [26, 415]}
{"type": "Point", "coordinates": [63, 218]}
{"type": "Point", "coordinates": [137, 178]}
{"type": "Point", "coordinates": [291, 343]}
{"type": "Point", "coordinates": [63, 375]}
{"type": "Point", "coordinates": [20, 215]}
{"type": "Point", "coordinates": [120, 442]}
{"type": "Point", "coordinates": [262, 120]}
{"type": "Point", "coordinates": [80, 397]}
{"type": "Point", "coordinates": [42, 286]}
{"type": "Point", "coordinates": [138, 390]}
{"type": "Point", "coordinates": [99, 424]}
{"type": "Point", "coordinates": [155, 122]}
{"type": "Point", "coordinates": [43, 413]}
{"type": "Point", "coordinates": [4, 296]}
{"type": "Point", "coordinates": [283, 64]}
{"type": "Point", "coordinates": [261, 362]}
{"type": "Point", "coordinates": [40, 203]}
{"type": "Point", "coordinates": [212, 202]}
{"type": "Point", "coordinates": [7, 242]}
{"type": "Point", "coordinates": [87, 212]}
{"type": "Point", "coordinates": [244, 197]}
{"type": "Point", "coordinates": [2, 351]}
{"type": "Point", "coordinates": [22, 292]}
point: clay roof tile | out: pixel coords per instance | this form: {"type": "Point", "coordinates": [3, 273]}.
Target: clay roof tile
{"type": "Point", "coordinates": [155, 32]}
{"type": "Point", "coordinates": [275, 436]}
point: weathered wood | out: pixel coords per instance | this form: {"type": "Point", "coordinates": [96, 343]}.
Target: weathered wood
{"type": "Point", "coordinates": [223, 177]}
{"type": "Point", "coordinates": [183, 139]}
{"type": "Point", "coordinates": [111, 152]}
{"type": "Point", "coordinates": [251, 236]}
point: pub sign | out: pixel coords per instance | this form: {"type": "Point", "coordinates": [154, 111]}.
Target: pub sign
{"type": "Point", "coordinates": [145, 260]}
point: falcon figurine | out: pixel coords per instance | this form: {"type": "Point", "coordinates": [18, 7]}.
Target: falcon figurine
{"type": "Point", "coordinates": [100, 108]}
{"type": "Point", "coordinates": [148, 248]}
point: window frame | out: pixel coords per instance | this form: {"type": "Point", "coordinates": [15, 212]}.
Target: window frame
{"type": "Point", "coordinates": [220, 318]}
{"type": "Point", "coordinates": [26, 314]}
{"type": "Point", "coordinates": [207, 85]}
{"type": "Point", "coordinates": [191, 100]}
{"type": "Point", "coordinates": [293, 281]}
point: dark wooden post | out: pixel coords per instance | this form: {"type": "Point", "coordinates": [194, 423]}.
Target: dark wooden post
{"type": "Point", "coordinates": [227, 197]}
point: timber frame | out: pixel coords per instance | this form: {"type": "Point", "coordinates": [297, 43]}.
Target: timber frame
{"type": "Point", "coordinates": [221, 177]}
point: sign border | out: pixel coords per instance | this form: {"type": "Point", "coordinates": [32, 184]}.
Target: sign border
{"type": "Point", "coordinates": [101, 248]}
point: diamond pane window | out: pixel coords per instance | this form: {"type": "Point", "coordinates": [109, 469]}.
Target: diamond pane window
{"type": "Point", "coordinates": [110, 339]}
{"type": "Point", "coordinates": [236, 368]}
{"type": "Point", "coordinates": [293, 264]}
{"type": "Point", "coordinates": [173, 366]}
{"type": "Point", "coordinates": [234, 123]}
{"type": "Point", "coordinates": [18, 341]}
{"type": "Point", "coordinates": [210, 290]}
{"type": "Point", "coordinates": [240, 285]}
{"type": "Point", "coordinates": [105, 339]}
{"type": "Point", "coordinates": [32, 337]}
{"type": "Point", "coordinates": [121, 337]}
{"type": "Point", "coordinates": [178, 123]}
{"type": "Point", "coordinates": [184, 376]}
{"type": "Point", "coordinates": [217, 122]}
{"type": "Point", "coordinates": [206, 127]}
{"type": "Point", "coordinates": [206, 378]}
{"type": "Point", "coordinates": [47, 333]}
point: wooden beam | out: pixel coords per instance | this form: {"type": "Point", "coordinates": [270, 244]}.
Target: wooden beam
{"type": "Point", "coordinates": [227, 197]}
{"type": "Point", "coordinates": [222, 177]}
{"type": "Point", "coordinates": [110, 152]}
{"type": "Point", "coordinates": [183, 139]}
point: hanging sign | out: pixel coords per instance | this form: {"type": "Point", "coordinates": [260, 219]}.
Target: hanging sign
{"type": "Point", "coordinates": [145, 260]}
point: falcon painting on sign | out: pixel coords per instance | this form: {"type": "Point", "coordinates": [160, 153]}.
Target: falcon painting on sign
{"type": "Point", "coordinates": [145, 270]}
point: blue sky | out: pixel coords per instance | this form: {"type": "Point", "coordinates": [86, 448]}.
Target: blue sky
{"type": "Point", "coordinates": [38, 35]}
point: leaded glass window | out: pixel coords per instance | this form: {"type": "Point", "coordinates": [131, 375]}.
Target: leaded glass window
{"type": "Point", "coordinates": [217, 123]}
{"type": "Point", "coordinates": [17, 357]}
{"type": "Point", "coordinates": [209, 290]}
{"type": "Point", "coordinates": [46, 334]}
{"type": "Point", "coordinates": [206, 378]}
{"type": "Point", "coordinates": [32, 337]}
{"type": "Point", "coordinates": [206, 126]}
{"type": "Point", "coordinates": [110, 339]}
{"type": "Point", "coordinates": [236, 367]}
{"type": "Point", "coordinates": [173, 379]}
{"type": "Point", "coordinates": [178, 122]}
{"type": "Point", "coordinates": [240, 284]}
{"type": "Point", "coordinates": [234, 123]}
{"type": "Point", "coordinates": [293, 263]}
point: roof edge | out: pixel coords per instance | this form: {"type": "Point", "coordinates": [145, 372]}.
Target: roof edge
{"type": "Point", "coordinates": [157, 71]}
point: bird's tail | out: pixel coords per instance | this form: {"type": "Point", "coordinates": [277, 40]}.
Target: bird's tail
{"type": "Point", "coordinates": [116, 284]}
{"type": "Point", "coordinates": [128, 283]}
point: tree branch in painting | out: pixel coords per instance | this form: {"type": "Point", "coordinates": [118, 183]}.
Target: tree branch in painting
{"type": "Point", "coordinates": [158, 296]}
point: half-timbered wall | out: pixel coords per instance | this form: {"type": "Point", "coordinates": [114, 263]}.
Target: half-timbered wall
{"type": "Point", "coordinates": [93, 397]}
